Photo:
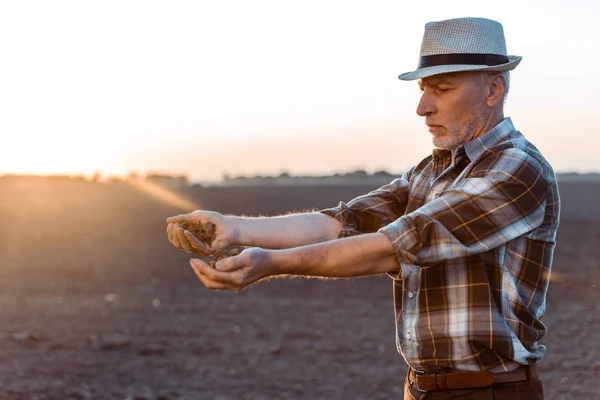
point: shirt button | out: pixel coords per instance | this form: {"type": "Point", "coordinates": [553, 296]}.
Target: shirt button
{"type": "Point", "coordinates": [407, 335]}
{"type": "Point", "coordinates": [411, 295]}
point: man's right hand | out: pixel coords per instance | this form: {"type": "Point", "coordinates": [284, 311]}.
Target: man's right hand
{"type": "Point", "coordinates": [226, 232]}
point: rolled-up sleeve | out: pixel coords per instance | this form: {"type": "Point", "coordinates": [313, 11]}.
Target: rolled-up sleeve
{"type": "Point", "coordinates": [376, 209]}
{"type": "Point", "coordinates": [503, 198]}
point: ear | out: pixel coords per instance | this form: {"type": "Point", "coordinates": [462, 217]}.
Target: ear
{"type": "Point", "coordinates": [496, 90]}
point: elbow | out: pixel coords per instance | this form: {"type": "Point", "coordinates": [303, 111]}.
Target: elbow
{"type": "Point", "coordinates": [333, 230]}
{"type": "Point", "coordinates": [330, 228]}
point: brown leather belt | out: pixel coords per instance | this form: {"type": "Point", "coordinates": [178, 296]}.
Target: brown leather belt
{"type": "Point", "coordinates": [428, 381]}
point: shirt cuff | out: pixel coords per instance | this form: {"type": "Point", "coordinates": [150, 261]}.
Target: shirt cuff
{"type": "Point", "coordinates": [340, 213]}
{"type": "Point", "coordinates": [406, 242]}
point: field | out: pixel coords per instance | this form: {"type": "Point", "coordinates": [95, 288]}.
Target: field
{"type": "Point", "coordinates": [96, 304]}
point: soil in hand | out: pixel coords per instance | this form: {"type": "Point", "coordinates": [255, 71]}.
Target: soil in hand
{"type": "Point", "coordinates": [229, 252]}
{"type": "Point", "coordinates": [206, 232]}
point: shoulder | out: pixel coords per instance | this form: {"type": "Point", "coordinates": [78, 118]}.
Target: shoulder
{"type": "Point", "coordinates": [517, 143]}
{"type": "Point", "coordinates": [515, 156]}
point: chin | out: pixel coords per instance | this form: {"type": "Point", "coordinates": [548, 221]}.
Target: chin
{"type": "Point", "coordinates": [440, 143]}
{"type": "Point", "coordinates": [445, 143]}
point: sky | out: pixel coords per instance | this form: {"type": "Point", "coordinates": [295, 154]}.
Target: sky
{"type": "Point", "coordinates": [206, 88]}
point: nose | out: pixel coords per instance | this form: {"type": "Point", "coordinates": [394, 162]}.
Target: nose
{"type": "Point", "coordinates": [426, 105]}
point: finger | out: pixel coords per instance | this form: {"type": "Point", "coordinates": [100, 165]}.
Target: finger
{"type": "Point", "coordinates": [178, 232]}
{"type": "Point", "coordinates": [211, 273]}
{"type": "Point", "coordinates": [177, 219]}
{"type": "Point", "coordinates": [175, 237]}
{"type": "Point", "coordinates": [170, 232]}
{"type": "Point", "coordinates": [183, 241]}
{"type": "Point", "coordinates": [219, 244]}
{"type": "Point", "coordinates": [196, 244]}
{"type": "Point", "coordinates": [210, 284]}
{"type": "Point", "coordinates": [212, 278]}
{"type": "Point", "coordinates": [229, 264]}
{"type": "Point", "coordinates": [230, 281]}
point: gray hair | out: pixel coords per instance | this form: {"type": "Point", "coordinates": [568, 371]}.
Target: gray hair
{"type": "Point", "coordinates": [506, 76]}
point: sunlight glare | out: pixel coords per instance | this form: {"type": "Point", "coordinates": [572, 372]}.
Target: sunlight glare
{"type": "Point", "coordinates": [164, 195]}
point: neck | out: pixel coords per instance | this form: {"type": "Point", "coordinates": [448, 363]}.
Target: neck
{"type": "Point", "coordinates": [493, 119]}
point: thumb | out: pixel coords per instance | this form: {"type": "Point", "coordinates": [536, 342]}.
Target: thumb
{"type": "Point", "coordinates": [229, 264]}
{"type": "Point", "coordinates": [219, 245]}
{"type": "Point", "coordinates": [177, 219]}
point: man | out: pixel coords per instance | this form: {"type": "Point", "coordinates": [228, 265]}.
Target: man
{"type": "Point", "coordinates": [467, 234]}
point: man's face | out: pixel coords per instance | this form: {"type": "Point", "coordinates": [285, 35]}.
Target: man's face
{"type": "Point", "coordinates": [455, 107]}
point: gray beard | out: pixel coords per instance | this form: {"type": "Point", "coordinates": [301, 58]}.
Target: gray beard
{"type": "Point", "coordinates": [455, 140]}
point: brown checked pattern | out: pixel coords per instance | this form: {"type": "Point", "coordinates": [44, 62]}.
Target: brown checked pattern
{"type": "Point", "coordinates": [474, 237]}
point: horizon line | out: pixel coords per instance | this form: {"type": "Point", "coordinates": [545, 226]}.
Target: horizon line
{"type": "Point", "coordinates": [356, 173]}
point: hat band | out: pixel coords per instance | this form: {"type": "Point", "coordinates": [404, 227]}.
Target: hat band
{"type": "Point", "coordinates": [463, 58]}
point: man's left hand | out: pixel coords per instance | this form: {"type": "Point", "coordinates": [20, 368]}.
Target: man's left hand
{"type": "Point", "coordinates": [237, 272]}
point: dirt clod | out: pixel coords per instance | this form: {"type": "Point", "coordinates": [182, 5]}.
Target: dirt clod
{"type": "Point", "coordinates": [204, 232]}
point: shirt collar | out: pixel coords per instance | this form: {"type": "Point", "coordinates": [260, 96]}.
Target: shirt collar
{"type": "Point", "coordinates": [476, 147]}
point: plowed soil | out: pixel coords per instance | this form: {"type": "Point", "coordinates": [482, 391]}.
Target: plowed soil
{"type": "Point", "coordinates": [96, 304]}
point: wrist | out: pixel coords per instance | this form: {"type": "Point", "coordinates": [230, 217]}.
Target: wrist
{"type": "Point", "coordinates": [240, 233]}
{"type": "Point", "coordinates": [279, 262]}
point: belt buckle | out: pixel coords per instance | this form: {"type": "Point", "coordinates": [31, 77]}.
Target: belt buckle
{"type": "Point", "coordinates": [417, 373]}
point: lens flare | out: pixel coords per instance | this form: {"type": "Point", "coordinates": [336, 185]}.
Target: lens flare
{"type": "Point", "coordinates": [165, 195]}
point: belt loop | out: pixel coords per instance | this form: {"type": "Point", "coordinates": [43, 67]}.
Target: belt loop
{"type": "Point", "coordinates": [440, 381]}
{"type": "Point", "coordinates": [445, 382]}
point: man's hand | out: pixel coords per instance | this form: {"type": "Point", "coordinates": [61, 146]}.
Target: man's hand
{"type": "Point", "coordinates": [226, 232]}
{"type": "Point", "coordinates": [236, 273]}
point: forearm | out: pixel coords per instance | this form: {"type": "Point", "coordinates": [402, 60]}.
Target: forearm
{"type": "Point", "coordinates": [366, 254]}
{"type": "Point", "coordinates": [361, 255]}
{"type": "Point", "coordinates": [287, 231]}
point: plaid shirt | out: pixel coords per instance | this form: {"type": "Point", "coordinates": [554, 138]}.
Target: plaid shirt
{"type": "Point", "coordinates": [474, 239]}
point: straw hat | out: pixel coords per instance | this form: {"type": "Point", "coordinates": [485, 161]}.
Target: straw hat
{"type": "Point", "coordinates": [462, 44]}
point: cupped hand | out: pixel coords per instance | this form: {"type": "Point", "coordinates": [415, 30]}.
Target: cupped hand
{"type": "Point", "coordinates": [236, 273]}
{"type": "Point", "coordinates": [226, 232]}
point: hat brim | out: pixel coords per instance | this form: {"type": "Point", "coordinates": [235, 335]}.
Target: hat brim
{"type": "Point", "coordinates": [445, 69]}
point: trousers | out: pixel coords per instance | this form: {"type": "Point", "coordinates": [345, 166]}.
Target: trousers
{"type": "Point", "coordinates": [525, 390]}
